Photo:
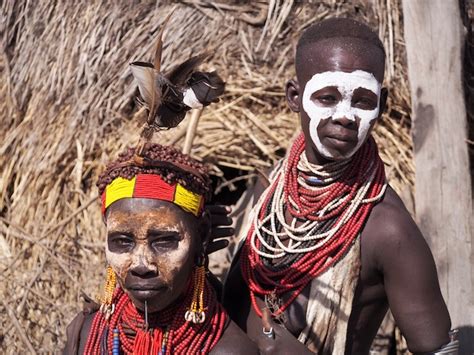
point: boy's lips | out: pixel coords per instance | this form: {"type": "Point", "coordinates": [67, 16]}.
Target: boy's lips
{"type": "Point", "coordinates": [350, 136]}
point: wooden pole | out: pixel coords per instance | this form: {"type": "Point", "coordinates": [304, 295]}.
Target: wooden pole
{"type": "Point", "coordinates": [443, 197]}
{"type": "Point", "coordinates": [191, 131]}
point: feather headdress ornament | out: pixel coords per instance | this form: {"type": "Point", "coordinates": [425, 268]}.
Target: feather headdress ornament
{"type": "Point", "coordinates": [168, 97]}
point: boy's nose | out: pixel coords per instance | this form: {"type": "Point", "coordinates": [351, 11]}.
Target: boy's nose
{"type": "Point", "coordinates": [344, 121]}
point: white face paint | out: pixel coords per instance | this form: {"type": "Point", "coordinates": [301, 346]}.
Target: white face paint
{"type": "Point", "coordinates": [346, 84]}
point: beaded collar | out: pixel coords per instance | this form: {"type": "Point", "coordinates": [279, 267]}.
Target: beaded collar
{"type": "Point", "coordinates": [166, 332]}
{"type": "Point", "coordinates": [306, 220]}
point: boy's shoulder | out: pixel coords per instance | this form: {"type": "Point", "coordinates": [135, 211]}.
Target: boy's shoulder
{"type": "Point", "coordinates": [234, 341]}
{"type": "Point", "coordinates": [390, 231]}
{"type": "Point", "coordinates": [390, 218]}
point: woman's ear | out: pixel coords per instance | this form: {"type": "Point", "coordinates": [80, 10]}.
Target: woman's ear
{"type": "Point", "coordinates": [205, 230]}
{"type": "Point", "coordinates": [292, 90]}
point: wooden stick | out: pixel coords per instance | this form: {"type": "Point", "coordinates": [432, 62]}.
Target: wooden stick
{"type": "Point", "coordinates": [20, 330]}
{"type": "Point", "coordinates": [191, 132]}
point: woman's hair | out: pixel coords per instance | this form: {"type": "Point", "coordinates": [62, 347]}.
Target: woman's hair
{"type": "Point", "coordinates": [179, 168]}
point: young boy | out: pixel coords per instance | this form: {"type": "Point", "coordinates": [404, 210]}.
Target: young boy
{"type": "Point", "coordinates": [330, 246]}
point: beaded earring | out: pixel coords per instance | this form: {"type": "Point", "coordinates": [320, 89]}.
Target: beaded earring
{"type": "Point", "coordinates": [196, 312]}
{"type": "Point", "coordinates": [106, 305]}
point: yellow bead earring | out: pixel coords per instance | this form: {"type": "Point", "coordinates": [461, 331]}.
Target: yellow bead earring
{"type": "Point", "coordinates": [196, 312]}
{"type": "Point", "coordinates": [106, 305]}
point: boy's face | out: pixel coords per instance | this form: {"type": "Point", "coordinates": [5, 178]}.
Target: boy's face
{"type": "Point", "coordinates": [338, 94]}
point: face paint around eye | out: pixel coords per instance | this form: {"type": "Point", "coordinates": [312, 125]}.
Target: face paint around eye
{"type": "Point", "coordinates": [346, 84]}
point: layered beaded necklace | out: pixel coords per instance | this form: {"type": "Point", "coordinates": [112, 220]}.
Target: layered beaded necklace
{"type": "Point", "coordinates": [307, 219]}
{"type": "Point", "coordinates": [164, 332]}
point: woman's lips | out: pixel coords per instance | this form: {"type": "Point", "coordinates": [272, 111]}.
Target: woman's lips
{"type": "Point", "coordinates": [145, 288]}
{"type": "Point", "coordinates": [146, 291]}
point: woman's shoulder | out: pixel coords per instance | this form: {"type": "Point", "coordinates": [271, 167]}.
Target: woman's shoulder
{"type": "Point", "coordinates": [234, 341]}
{"type": "Point", "coordinates": [78, 329]}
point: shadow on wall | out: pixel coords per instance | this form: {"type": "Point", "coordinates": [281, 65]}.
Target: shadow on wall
{"type": "Point", "coordinates": [466, 340]}
{"type": "Point", "coordinates": [467, 14]}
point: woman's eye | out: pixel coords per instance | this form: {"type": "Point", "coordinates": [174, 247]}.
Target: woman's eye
{"type": "Point", "coordinates": [167, 242]}
{"type": "Point", "coordinates": [123, 242]}
{"type": "Point", "coordinates": [120, 243]}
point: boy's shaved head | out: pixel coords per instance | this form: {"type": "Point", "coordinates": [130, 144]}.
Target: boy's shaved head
{"type": "Point", "coordinates": [339, 28]}
{"type": "Point", "coordinates": [352, 35]}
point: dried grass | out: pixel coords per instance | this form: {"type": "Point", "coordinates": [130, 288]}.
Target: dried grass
{"type": "Point", "coordinates": [68, 106]}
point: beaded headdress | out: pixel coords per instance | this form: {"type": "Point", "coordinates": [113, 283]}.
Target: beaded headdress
{"type": "Point", "coordinates": [154, 187]}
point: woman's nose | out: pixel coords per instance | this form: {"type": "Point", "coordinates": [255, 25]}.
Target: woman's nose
{"type": "Point", "coordinates": [143, 271]}
{"type": "Point", "coordinates": [143, 264]}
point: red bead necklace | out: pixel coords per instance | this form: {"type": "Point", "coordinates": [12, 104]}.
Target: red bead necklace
{"type": "Point", "coordinates": [168, 332]}
{"type": "Point", "coordinates": [339, 209]}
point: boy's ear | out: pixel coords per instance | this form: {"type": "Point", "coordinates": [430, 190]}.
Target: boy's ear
{"type": "Point", "coordinates": [292, 91]}
{"type": "Point", "coordinates": [383, 101]}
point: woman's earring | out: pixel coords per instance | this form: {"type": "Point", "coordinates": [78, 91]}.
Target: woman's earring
{"type": "Point", "coordinates": [106, 305]}
{"type": "Point", "coordinates": [196, 312]}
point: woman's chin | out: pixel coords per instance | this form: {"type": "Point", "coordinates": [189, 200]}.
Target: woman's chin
{"type": "Point", "coordinates": [155, 300]}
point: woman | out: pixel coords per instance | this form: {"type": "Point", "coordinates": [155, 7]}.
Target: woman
{"type": "Point", "coordinates": [157, 298]}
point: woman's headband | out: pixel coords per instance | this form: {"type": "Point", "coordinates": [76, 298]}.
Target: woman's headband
{"type": "Point", "coordinates": [152, 186]}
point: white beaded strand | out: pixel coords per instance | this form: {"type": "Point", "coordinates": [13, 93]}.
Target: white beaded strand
{"type": "Point", "coordinates": [308, 230]}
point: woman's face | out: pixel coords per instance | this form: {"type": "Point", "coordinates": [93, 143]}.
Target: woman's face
{"type": "Point", "coordinates": [151, 246]}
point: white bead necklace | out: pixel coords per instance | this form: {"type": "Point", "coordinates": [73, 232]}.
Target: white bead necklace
{"type": "Point", "coordinates": [308, 230]}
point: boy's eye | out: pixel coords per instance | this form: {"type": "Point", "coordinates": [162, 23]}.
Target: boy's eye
{"type": "Point", "coordinates": [364, 103]}
{"type": "Point", "coordinates": [327, 99]}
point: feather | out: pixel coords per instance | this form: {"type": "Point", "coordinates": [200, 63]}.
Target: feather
{"type": "Point", "coordinates": [206, 86]}
{"type": "Point", "coordinates": [169, 117]}
{"type": "Point", "coordinates": [180, 74]}
{"type": "Point", "coordinates": [144, 74]}
{"type": "Point", "coordinates": [159, 43]}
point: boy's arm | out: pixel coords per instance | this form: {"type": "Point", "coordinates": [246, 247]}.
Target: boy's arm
{"type": "Point", "coordinates": [410, 280]}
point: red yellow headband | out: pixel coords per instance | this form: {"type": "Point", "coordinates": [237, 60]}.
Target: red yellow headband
{"type": "Point", "coordinates": [152, 186]}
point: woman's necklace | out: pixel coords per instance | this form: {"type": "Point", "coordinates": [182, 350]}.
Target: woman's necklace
{"type": "Point", "coordinates": [164, 332]}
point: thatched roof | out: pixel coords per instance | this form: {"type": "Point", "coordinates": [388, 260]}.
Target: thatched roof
{"type": "Point", "coordinates": [68, 105]}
